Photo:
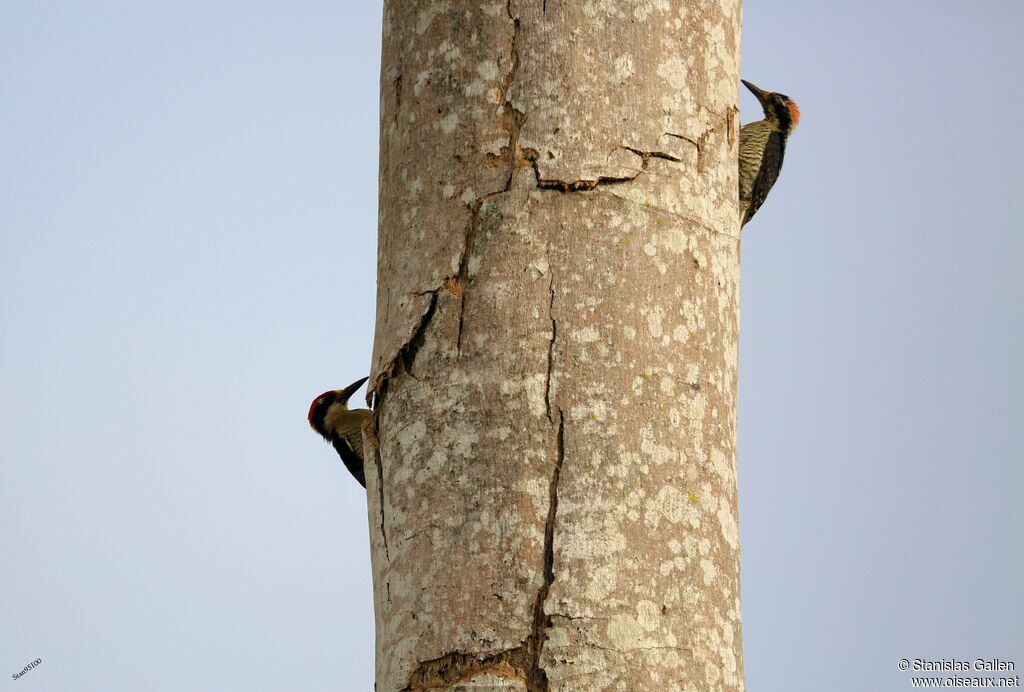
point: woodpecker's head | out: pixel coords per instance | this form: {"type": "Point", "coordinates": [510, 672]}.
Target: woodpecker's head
{"type": "Point", "coordinates": [779, 109]}
{"type": "Point", "coordinates": [325, 409]}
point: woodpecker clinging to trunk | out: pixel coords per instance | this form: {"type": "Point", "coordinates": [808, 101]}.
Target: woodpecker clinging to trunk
{"type": "Point", "coordinates": [762, 147]}
{"type": "Point", "coordinates": [330, 416]}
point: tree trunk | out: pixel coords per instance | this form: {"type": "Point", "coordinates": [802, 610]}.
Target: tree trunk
{"type": "Point", "coordinates": [552, 499]}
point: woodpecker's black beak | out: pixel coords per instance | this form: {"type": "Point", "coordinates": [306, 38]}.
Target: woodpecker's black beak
{"type": "Point", "coordinates": [351, 389]}
{"type": "Point", "coordinates": [756, 91]}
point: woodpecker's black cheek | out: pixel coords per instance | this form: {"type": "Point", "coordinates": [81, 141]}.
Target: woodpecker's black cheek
{"type": "Point", "coordinates": [316, 418]}
{"type": "Point", "coordinates": [783, 115]}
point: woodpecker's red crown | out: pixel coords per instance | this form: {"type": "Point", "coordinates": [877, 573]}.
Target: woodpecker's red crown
{"type": "Point", "coordinates": [324, 399]}
{"type": "Point", "coordinates": [318, 409]}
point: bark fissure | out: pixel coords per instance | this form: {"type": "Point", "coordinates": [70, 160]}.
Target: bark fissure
{"type": "Point", "coordinates": [512, 121]}
{"type": "Point", "coordinates": [512, 118]}
{"type": "Point", "coordinates": [523, 661]}
{"type": "Point", "coordinates": [458, 283]}
{"type": "Point", "coordinates": [371, 430]}
{"type": "Point", "coordinates": [405, 356]}
{"type": "Point", "coordinates": [570, 618]}
{"type": "Point", "coordinates": [702, 139]}
{"type": "Point", "coordinates": [580, 185]}
{"type": "Point", "coordinates": [698, 143]}
{"type": "Point", "coordinates": [457, 666]}
{"type": "Point", "coordinates": [551, 342]}
{"type": "Point", "coordinates": [461, 279]}
{"type": "Point", "coordinates": [537, 680]}
{"type": "Point", "coordinates": [645, 156]}
{"type": "Point", "coordinates": [589, 184]}
{"type": "Point", "coordinates": [639, 648]}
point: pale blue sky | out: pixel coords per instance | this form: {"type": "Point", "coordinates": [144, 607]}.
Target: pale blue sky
{"type": "Point", "coordinates": [187, 188]}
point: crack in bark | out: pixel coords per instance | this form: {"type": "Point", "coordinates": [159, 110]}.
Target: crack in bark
{"type": "Point", "coordinates": [697, 143]}
{"type": "Point", "coordinates": [572, 618]}
{"type": "Point", "coordinates": [398, 94]}
{"type": "Point", "coordinates": [407, 354]}
{"type": "Point", "coordinates": [512, 118]}
{"type": "Point", "coordinates": [523, 661]}
{"type": "Point", "coordinates": [730, 129]}
{"type": "Point", "coordinates": [579, 185]}
{"type": "Point", "coordinates": [551, 343]}
{"type": "Point", "coordinates": [586, 185]}
{"type": "Point", "coordinates": [461, 279]}
{"type": "Point", "coordinates": [702, 138]}
{"type": "Point", "coordinates": [537, 680]}
{"type": "Point", "coordinates": [512, 121]}
{"type": "Point", "coordinates": [370, 432]}
{"type": "Point", "coordinates": [457, 666]}
{"type": "Point", "coordinates": [410, 536]}
{"type": "Point", "coordinates": [646, 156]}
{"type": "Point", "coordinates": [406, 357]}
{"type": "Point", "coordinates": [459, 283]}
{"type": "Point", "coordinates": [638, 648]}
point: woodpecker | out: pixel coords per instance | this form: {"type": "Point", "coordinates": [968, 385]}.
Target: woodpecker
{"type": "Point", "coordinates": [330, 416]}
{"type": "Point", "coordinates": [762, 147]}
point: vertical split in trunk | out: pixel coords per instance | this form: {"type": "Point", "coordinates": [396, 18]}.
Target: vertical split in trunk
{"type": "Point", "coordinates": [554, 502]}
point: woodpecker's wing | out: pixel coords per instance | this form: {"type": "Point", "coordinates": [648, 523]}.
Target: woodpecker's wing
{"type": "Point", "coordinates": [353, 462]}
{"type": "Point", "coordinates": [762, 149]}
{"type": "Point", "coordinates": [753, 138]}
{"type": "Point", "coordinates": [348, 442]}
